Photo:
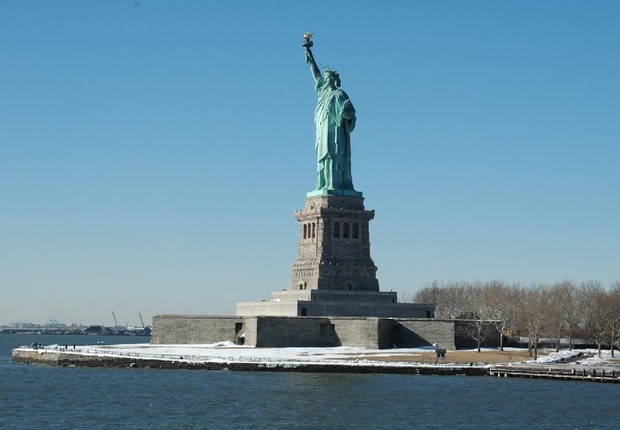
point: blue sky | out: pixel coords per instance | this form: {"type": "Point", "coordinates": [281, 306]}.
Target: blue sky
{"type": "Point", "coordinates": [152, 153]}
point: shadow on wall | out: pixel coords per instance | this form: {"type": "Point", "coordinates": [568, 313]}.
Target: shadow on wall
{"type": "Point", "coordinates": [404, 337]}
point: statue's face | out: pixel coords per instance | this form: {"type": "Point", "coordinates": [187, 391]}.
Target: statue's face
{"type": "Point", "coordinates": [331, 81]}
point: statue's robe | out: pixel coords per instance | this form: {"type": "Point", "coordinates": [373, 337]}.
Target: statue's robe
{"type": "Point", "coordinates": [334, 120]}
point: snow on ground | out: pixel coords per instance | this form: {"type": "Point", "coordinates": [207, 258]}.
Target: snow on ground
{"type": "Point", "coordinates": [556, 357]}
{"type": "Point", "coordinates": [226, 352]}
{"type": "Point", "coordinates": [587, 357]}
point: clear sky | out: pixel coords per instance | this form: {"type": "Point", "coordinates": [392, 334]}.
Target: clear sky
{"type": "Point", "coordinates": [152, 153]}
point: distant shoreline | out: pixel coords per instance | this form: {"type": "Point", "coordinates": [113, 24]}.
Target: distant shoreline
{"type": "Point", "coordinates": [72, 332]}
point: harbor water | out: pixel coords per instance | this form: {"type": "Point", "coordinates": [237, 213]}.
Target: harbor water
{"type": "Point", "coordinates": [33, 397]}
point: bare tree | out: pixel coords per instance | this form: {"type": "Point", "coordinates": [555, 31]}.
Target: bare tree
{"type": "Point", "coordinates": [503, 306]}
{"type": "Point", "coordinates": [408, 297]}
{"type": "Point", "coordinates": [460, 300]}
{"type": "Point", "coordinates": [593, 298]}
{"type": "Point", "coordinates": [562, 312]}
{"type": "Point", "coordinates": [534, 314]}
{"type": "Point", "coordinates": [612, 315]}
{"type": "Point", "coordinates": [536, 311]}
{"type": "Point", "coordinates": [429, 294]}
{"type": "Point", "coordinates": [477, 310]}
{"type": "Point", "coordinates": [454, 304]}
{"type": "Point", "coordinates": [449, 298]}
{"type": "Point", "coordinates": [572, 313]}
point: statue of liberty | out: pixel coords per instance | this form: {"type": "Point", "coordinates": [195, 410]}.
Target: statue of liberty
{"type": "Point", "coordinates": [334, 120]}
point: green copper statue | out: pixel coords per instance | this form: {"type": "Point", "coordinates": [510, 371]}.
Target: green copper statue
{"type": "Point", "coordinates": [334, 120]}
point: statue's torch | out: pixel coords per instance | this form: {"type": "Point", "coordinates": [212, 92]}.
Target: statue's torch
{"type": "Point", "coordinates": [307, 43]}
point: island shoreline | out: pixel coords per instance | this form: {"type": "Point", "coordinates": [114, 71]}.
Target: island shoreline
{"type": "Point", "coordinates": [68, 358]}
{"type": "Point", "coordinates": [73, 359]}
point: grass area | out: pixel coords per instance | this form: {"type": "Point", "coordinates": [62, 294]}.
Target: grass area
{"type": "Point", "coordinates": [453, 357]}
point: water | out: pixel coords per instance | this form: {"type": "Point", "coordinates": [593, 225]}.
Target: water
{"type": "Point", "coordinates": [33, 397]}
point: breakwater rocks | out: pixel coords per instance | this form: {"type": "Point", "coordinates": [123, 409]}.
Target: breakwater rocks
{"type": "Point", "coordinates": [73, 359]}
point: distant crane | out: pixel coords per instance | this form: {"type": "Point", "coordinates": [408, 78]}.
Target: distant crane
{"type": "Point", "coordinates": [141, 320]}
{"type": "Point", "coordinates": [115, 322]}
{"type": "Point", "coordinates": [54, 323]}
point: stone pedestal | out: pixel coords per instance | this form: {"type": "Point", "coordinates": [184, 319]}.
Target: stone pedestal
{"type": "Point", "coordinates": [334, 246]}
{"type": "Point", "coordinates": [334, 274]}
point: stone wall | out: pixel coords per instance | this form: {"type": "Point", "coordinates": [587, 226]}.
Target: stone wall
{"type": "Point", "coordinates": [319, 332]}
{"type": "Point", "coordinates": [338, 304]}
{"type": "Point", "coordinates": [353, 297]}
{"type": "Point", "coordinates": [254, 309]}
{"type": "Point", "coordinates": [368, 309]}
{"type": "Point", "coordinates": [412, 333]}
{"type": "Point", "coordinates": [276, 331]}
{"type": "Point", "coordinates": [251, 331]}
{"type": "Point", "coordinates": [272, 331]}
{"type": "Point", "coordinates": [194, 329]}
{"type": "Point", "coordinates": [362, 332]}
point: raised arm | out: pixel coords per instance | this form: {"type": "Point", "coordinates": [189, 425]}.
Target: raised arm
{"type": "Point", "coordinates": [314, 69]}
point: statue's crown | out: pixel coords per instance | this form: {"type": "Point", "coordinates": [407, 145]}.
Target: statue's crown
{"type": "Point", "coordinates": [329, 71]}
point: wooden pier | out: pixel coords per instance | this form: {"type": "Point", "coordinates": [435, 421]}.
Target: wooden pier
{"type": "Point", "coordinates": [581, 373]}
